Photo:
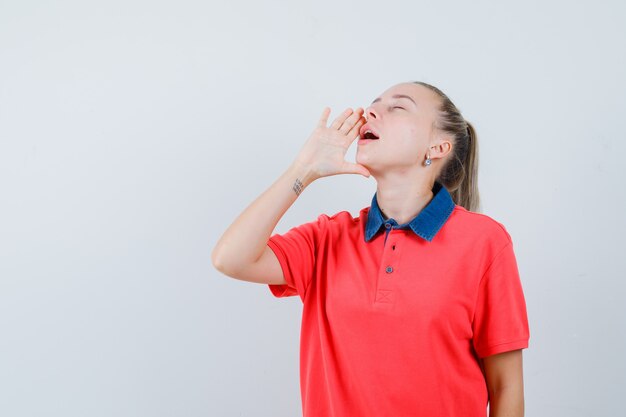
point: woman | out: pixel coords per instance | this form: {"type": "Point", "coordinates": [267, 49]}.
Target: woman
{"type": "Point", "coordinates": [412, 308]}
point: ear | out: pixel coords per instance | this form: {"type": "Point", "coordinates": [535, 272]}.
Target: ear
{"type": "Point", "coordinates": [441, 147]}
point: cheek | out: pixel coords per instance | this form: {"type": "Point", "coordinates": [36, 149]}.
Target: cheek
{"type": "Point", "coordinates": [410, 139]}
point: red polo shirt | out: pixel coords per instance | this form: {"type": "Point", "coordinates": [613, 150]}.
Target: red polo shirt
{"type": "Point", "coordinates": [396, 317]}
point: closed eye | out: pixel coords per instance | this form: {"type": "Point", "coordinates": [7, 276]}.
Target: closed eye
{"type": "Point", "coordinates": [398, 107]}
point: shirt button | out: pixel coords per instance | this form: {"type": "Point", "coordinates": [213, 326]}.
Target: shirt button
{"type": "Point", "coordinates": [388, 226]}
{"type": "Point", "coordinates": [389, 269]}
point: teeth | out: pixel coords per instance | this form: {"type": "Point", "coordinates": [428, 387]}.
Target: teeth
{"type": "Point", "coordinates": [365, 134]}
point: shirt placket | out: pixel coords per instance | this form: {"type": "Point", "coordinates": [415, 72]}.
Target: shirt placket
{"type": "Point", "coordinates": [385, 292]}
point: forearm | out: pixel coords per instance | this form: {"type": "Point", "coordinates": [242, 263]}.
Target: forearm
{"type": "Point", "coordinates": [507, 403]}
{"type": "Point", "coordinates": [245, 239]}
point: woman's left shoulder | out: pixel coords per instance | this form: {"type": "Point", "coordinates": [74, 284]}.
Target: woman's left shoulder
{"type": "Point", "coordinates": [482, 224]}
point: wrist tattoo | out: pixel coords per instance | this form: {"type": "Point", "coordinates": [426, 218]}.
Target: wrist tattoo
{"type": "Point", "coordinates": [298, 187]}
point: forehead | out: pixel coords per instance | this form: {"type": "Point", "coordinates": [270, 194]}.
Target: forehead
{"type": "Point", "coordinates": [423, 96]}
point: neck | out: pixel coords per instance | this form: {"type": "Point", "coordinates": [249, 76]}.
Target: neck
{"type": "Point", "coordinates": [403, 200]}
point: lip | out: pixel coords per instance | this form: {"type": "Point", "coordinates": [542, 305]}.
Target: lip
{"type": "Point", "coordinates": [364, 141]}
{"type": "Point", "coordinates": [367, 127]}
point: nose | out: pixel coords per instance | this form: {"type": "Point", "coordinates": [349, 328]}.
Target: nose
{"type": "Point", "coordinates": [371, 113]}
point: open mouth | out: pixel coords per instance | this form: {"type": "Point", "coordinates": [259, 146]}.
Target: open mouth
{"type": "Point", "coordinates": [370, 135]}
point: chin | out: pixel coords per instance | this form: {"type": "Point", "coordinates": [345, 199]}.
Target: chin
{"type": "Point", "coordinates": [363, 161]}
{"type": "Point", "coordinates": [367, 163]}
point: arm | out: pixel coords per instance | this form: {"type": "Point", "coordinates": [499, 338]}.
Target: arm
{"type": "Point", "coordinates": [242, 250]}
{"type": "Point", "coordinates": [244, 241]}
{"type": "Point", "coordinates": [503, 373]}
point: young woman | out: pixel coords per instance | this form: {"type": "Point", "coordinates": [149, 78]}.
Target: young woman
{"type": "Point", "coordinates": [414, 307]}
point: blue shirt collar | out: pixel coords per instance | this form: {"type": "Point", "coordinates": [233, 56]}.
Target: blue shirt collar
{"type": "Point", "coordinates": [426, 224]}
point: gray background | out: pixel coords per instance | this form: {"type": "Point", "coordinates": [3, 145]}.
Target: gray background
{"type": "Point", "coordinates": [133, 132]}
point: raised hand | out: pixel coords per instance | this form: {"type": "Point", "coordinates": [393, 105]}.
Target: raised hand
{"type": "Point", "coordinates": [324, 152]}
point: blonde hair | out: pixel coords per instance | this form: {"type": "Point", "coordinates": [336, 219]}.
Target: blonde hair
{"type": "Point", "coordinates": [460, 173]}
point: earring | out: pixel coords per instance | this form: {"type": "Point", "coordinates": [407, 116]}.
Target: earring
{"type": "Point", "coordinates": [427, 162]}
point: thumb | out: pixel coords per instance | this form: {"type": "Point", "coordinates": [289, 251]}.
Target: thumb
{"type": "Point", "coordinates": [352, 168]}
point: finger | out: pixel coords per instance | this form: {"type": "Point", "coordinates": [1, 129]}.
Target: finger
{"type": "Point", "coordinates": [324, 118]}
{"type": "Point", "coordinates": [339, 120]}
{"type": "Point", "coordinates": [354, 131]}
{"type": "Point", "coordinates": [349, 123]}
{"type": "Point", "coordinates": [352, 168]}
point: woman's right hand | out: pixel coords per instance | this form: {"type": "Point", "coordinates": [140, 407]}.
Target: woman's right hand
{"type": "Point", "coordinates": [324, 152]}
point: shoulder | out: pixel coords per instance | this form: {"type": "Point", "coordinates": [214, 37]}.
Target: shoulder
{"type": "Point", "coordinates": [337, 223]}
{"type": "Point", "coordinates": [481, 225]}
{"type": "Point", "coordinates": [341, 219]}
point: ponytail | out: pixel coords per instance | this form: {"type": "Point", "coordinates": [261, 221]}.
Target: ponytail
{"type": "Point", "coordinates": [460, 173]}
{"type": "Point", "coordinates": [466, 192]}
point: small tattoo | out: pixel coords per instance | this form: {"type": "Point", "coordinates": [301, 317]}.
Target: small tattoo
{"type": "Point", "coordinates": [298, 187]}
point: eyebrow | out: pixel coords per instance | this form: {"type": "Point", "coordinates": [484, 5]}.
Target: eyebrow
{"type": "Point", "coordinates": [398, 96]}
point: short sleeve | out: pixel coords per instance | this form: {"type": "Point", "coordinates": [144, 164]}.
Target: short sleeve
{"type": "Point", "coordinates": [297, 251]}
{"type": "Point", "coordinates": [500, 318]}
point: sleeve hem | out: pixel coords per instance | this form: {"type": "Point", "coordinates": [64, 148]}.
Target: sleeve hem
{"type": "Point", "coordinates": [281, 290]}
{"type": "Point", "coordinates": [502, 347]}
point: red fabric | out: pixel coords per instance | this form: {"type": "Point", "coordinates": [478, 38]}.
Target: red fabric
{"type": "Point", "coordinates": [404, 341]}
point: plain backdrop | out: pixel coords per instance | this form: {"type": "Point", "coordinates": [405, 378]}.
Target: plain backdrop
{"type": "Point", "coordinates": [132, 133]}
